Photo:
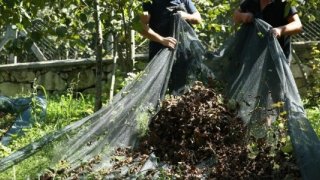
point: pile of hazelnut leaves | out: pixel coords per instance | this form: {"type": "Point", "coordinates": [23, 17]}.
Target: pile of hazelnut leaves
{"type": "Point", "coordinates": [193, 136]}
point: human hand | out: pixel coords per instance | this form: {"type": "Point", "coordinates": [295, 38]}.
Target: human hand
{"type": "Point", "coordinates": [183, 14]}
{"type": "Point", "coordinates": [237, 16]}
{"type": "Point", "coordinates": [169, 42]}
{"type": "Point", "coordinates": [276, 32]}
{"type": "Point", "coordinates": [241, 17]}
{"type": "Point", "coordinates": [247, 17]}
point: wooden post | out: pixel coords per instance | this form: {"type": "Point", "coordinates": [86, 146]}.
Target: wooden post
{"type": "Point", "coordinates": [299, 62]}
{"type": "Point", "coordinates": [111, 39]}
{"type": "Point", "coordinates": [35, 49]}
{"type": "Point", "coordinates": [133, 44]}
{"type": "Point", "coordinates": [6, 38]}
{"type": "Point", "coordinates": [13, 33]}
{"type": "Point", "coordinates": [109, 44]}
{"type": "Point", "coordinates": [113, 77]}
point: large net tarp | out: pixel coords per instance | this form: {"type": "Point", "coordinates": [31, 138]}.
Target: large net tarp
{"type": "Point", "coordinates": [112, 126]}
{"type": "Point", "coordinates": [257, 77]}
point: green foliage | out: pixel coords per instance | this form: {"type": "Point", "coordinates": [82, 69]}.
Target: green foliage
{"type": "Point", "coordinates": [143, 122]}
{"type": "Point", "coordinates": [313, 115]}
{"type": "Point", "coordinates": [217, 20]}
{"type": "Point", "coordinates": [309, 9]}
{"type": "Point", "coordinates": [312, 98]}
{"type": "Point", "coordinates": [6, 120]}
{"type": "Point", "coordinates": [70, 24]}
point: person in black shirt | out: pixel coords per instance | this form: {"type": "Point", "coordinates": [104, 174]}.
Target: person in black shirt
{"type": "Point", "coordinates": [156, 22]}
{"type": "Point", "coordinates": [278, 13]}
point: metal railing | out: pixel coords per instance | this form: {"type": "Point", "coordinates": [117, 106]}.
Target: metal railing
{"type": "Point", "coordinates": [45, 49]}
{"type": "Point", "coordinates": [310, 34]}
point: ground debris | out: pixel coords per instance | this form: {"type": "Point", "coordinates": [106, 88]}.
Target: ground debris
{"type": "Point", "coordinates": [195, 136]}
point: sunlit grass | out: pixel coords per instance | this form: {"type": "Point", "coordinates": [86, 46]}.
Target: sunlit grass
{"type": "Point", "coordinates": [313, 115]}
{"type": "Point", "coordinates": [61, 111]}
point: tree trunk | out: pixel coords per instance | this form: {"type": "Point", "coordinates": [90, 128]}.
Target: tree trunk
{"type": "Point", "coordinates": [126, 60]}
{"type": "Point", "coordinates": [113, 78]}
{"type": "Point", "coordinates": [98, 101]}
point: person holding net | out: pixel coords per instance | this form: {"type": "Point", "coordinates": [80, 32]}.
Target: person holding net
{"type": "Point", "coordinates": [157, 21]}
{"type": "Point", "coordinates": [157, 25]}
{"type": "Point", "coordinates": [279, 14]}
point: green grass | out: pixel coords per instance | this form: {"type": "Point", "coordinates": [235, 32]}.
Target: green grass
{"type": "Point", "coordinates": [313, 115]}
{"type": "Point", "coordinates": [5, 122]}
{"type": "Point", "coordinates": [61, 111]}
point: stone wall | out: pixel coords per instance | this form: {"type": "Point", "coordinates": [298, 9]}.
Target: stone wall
{"type": "Point", "coordinates": [54, 76]}
{"type": "Point", "coordinates": [58, 76]}
{"type": "Point", "coordinates": [299, 67]}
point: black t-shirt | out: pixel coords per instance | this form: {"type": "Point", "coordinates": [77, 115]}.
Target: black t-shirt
{"type": "Point", "coordinates": [160, 15]}
{"type": "Point", "coordinates": [161, 18]}
{"type": "Point", "coordinates": [276, 14]}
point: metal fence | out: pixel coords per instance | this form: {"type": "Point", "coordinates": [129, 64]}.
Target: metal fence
{"type": "Point", "coordinates": [310, 34]}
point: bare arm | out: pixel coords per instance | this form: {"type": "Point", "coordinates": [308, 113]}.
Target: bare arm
{"type": "Point", "coordinates": [194, 18]}
{"type": "Point", "coordinates": [242, 17]}
{"type": "Point", "coordinates": [293, 27]}
{"type": "Point", "coordinates": [147, 32]}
